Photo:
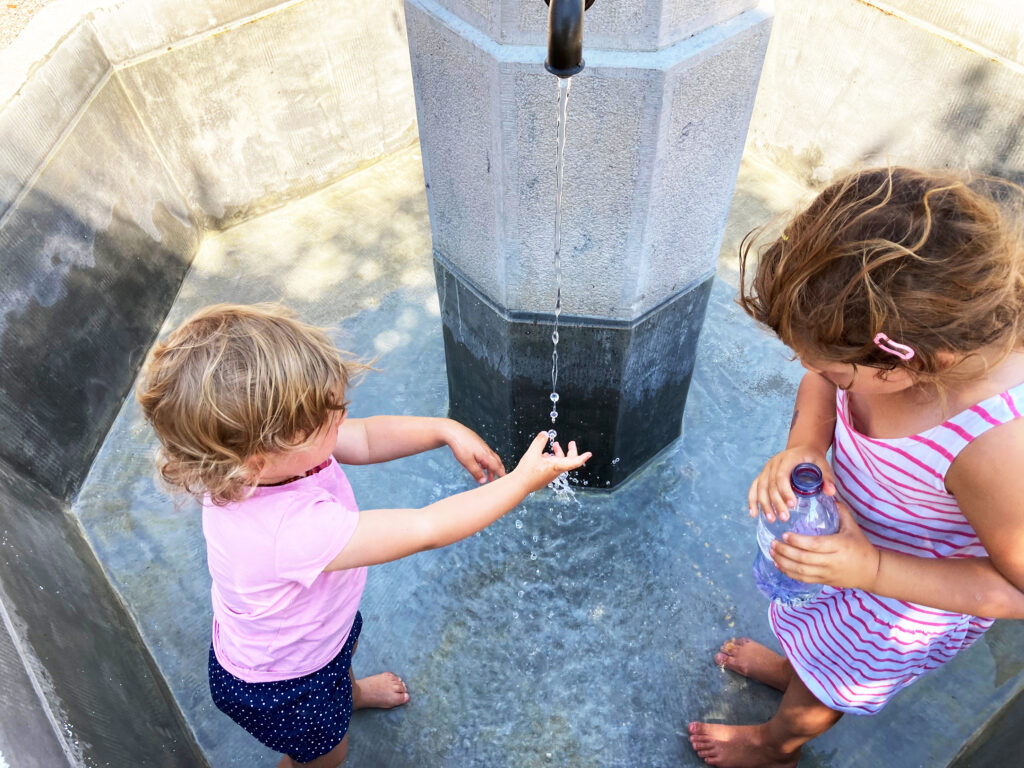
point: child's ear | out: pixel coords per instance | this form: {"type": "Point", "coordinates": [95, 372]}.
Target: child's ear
{"type": "Point", "coordinates": [947, 359]}
{"type": "Point", "coordinates": [253, 466]}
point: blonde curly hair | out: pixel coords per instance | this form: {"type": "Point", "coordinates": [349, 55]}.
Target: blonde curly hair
{"type": "Point", "coordinates": [234, 382]}
{"type": "Point", "coordinates": [934, 259]}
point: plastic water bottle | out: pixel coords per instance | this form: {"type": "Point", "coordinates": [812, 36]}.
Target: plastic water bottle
{"type": "Point", "coordinates": [815, 515]}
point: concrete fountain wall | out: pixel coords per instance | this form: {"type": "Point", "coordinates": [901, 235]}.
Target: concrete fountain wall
{"type": "Point", "coordinates": [128, 129]}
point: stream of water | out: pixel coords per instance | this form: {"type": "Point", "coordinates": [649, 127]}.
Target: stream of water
{"type": "Point", "coordinates": [560, 484]}
{"type": "Point", "coordinates": [563, 105]}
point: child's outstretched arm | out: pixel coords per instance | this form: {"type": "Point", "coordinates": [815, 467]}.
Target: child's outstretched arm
{"type": "Point", "coordinates": [990, 493]}
{"type": "Point", "coordinates": [383, 535]}
{"type": "Point", "coordinates": [383, 438]}
{"type": "Point", "coordinates": [810, 437]}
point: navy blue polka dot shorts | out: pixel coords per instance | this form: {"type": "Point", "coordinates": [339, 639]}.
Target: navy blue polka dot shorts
{"type": "Point", "coordinates": [305, 718]}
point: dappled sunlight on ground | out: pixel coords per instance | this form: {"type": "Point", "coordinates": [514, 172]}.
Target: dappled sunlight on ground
{"type": "Point", "coordinates": [349, 245]}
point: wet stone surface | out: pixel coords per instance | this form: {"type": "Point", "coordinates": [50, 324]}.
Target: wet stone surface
{"type": "Point", "coordinates": [575, 633]}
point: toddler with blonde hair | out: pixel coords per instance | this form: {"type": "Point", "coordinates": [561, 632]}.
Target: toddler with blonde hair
{"type": "Point", "coordinates": [249, 405]}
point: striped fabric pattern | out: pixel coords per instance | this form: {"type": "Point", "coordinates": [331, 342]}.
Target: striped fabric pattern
{"type": "Point", "coordinates": [855, 650]}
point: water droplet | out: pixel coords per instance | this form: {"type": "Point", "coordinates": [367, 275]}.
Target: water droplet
{"type": "Point", "coordinates": [554, 397]}
{"type": "Point", "coordinates": [536, 538]}
{"type": "Point", "coordinates": [554, 337]}
{"type": "Point", "coordinates": [615, 461]}
{"type": "Point", "coordinates": [519, 524]}
{"type": "Point", "coordinates": [553, 415]}
{"type": "Point", "coordinates": [520, 593]}
{"type": "Point", "coordinates": [533, 555]}
{"type": "Point", "coordinates": [552, 434]}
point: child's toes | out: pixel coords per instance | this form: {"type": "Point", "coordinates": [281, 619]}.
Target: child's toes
{"type": "Point", "coordinates": [382, 691]}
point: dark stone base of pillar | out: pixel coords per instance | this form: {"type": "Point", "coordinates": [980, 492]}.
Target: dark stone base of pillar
{"type": "Point", "coordinates": [622, 385]}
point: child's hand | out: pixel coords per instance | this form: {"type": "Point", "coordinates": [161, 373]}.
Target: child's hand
{"type": "Point", "coordinates": [537, 469]}
{"type": "Point", "coordinates": [473, 453]}
{"type": "Point", "coordinates": [844, 559]}
{"type": "Point", "coordinates": [771, 490]}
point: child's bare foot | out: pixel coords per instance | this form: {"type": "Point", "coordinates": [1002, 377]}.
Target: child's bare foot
{"type": "Point", "coordinates": [737, 746]}
{"type": "Point", "coordinates": [382, 691]}
{"type": "Point", "coordinates": [753, 660]}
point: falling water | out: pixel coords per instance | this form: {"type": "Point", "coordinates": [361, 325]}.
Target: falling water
{"type": "Point", "coordinates": [561, 483]}
{"type": "Point", "coordinates": [563, 106]}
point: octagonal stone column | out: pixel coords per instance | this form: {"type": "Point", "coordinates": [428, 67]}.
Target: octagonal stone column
{"type": "Point", "coordinates": [655, 131]}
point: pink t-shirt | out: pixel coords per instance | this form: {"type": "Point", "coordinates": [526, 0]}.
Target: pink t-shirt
{"type": "Point", "coordinates": [276, 614]}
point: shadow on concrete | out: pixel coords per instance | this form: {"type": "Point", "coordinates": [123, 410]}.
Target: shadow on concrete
{"type": "Point", "coordinates": [81, 306]}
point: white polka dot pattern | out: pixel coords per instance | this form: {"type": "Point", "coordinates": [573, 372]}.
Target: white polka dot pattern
{"type": "Point", "coordinates": [304, 718]}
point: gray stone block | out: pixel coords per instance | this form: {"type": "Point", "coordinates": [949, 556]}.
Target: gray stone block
{"type": "Point", "coordinates": [708, 100]}
{"type": "Point", "coordinates": [653, 143]}
{"type": "Point", "coordinates": [635, 25]}
{"type": "Point", "coordinates": [622, 385]}
{"type": "Point", "coordinates": [462, 157]}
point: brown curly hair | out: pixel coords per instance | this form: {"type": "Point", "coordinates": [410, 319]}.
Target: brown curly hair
{"type": "Point", "coordinates": [933, 259]}
{"type": "Point", "coordinates": [233, 382]}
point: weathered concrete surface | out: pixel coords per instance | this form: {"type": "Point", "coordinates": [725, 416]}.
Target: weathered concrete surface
{"type": "Point", "coordinates": [851, 82]}
{"type": "Point", "coordinates": [27, 735]}
{"type": "Point", "coordinates": [38, 109]}
{"type": "Point", "coordinates": [993, 25]}
{"type": "Point", "coordinates": [654, 141]}
{"type": "Point", "coordinates": [130, 30]}
{"type": "Point", "coordinates": [646, 25]}
{"type": "Point", "coordinates": [94, 250]}
{"type": "Point", "coordinates": [81, 689]}
{"type": "Point", "coordinates": [108, 171]}
{"type": "Point", "coordinates": [576, 634]}
{"type": "Point", "coordinates": [273, 106]}
{"type": "Point", "coordinates": [999, 742]}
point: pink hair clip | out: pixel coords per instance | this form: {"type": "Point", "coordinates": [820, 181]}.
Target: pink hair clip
{"type": "Point", "coordinates": [884, 343]}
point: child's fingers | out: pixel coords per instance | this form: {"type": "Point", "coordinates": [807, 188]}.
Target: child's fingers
{"type": "Point", "coordinates": [779, 503]}
{"type": "Point", "coordinates": [795, 569]}
{"type": "Point", "coordinates": [540, 442]}
{"type": "Point", "coordinates": [846, 519]}
{"type": "Point", "coordinates": [798, 563]}
{"type": "Point", "coordinates": [783, 489]}
{"type": "Point", "coordinates": [752, 499]}
{"type": "Point", "coordinates": [472, 464]}
{"type": "Point", "coordinates": [829, 481]}
{"type": "Point", "coordinates": [815, 544]}
{"type": "Point", "coordinates": [557, 449]}
{"type": "Point", "coordinates": [492, 462]}
{"type": "Point", "coordinates": [763, 499]}
{"type": "Point", "coordinates": [572, 462]}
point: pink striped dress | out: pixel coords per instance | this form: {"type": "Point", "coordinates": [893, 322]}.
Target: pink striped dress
{"type": "Point", "coordinates": [855, 650]}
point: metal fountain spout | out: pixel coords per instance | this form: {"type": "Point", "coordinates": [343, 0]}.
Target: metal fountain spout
{"type": "Point", "coordinates": [565, 36]}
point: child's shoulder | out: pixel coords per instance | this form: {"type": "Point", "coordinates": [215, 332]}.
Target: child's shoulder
{"type": "Point", "coordinates": [993, 429]}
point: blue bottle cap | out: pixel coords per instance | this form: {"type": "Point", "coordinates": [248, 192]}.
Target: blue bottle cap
{"type": "Point", "coordinates": [806, 479]}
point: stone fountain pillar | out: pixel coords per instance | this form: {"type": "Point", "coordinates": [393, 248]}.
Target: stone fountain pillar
{"type": "Point", "coordinates": [655, 130]}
